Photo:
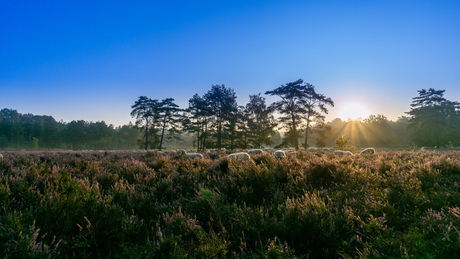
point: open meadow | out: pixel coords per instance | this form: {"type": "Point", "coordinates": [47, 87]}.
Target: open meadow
{"type": "Point", "coordinates": [148, 205]}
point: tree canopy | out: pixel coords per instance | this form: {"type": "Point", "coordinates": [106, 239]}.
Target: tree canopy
{"type": "Point", "coordinates": [435, 121]}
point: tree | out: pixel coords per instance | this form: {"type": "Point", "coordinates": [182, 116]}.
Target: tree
{"type": "Point", "coordinates": [127, 136]}
{"type": "Point", "coordinates": [378, 131]}
{"type": "Point", "coordinates": [260, 121]}
{"type": "Point", "coordinates": [75, 134]}
{"type": "Point", "coordinates": [299, 102]}
{"type": "Point", "coordinates": [145, 112]}
{"type": "Point", "coordinates": [222, 106]}
{"type": "Point", "coordinates": [316, 106]}
{"type": "Point", "coordinates": [322, 131]}
{"type": "Point", "coordinates": [343, 143]}
{"type": "Point", "coordinates": [170, 118]}
{"type": "Point", "coordinates": [197, 120]}
{"type": "Point", "coordinates": [434, 119]}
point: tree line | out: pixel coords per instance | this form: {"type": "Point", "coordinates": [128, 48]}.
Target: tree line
{"type": "Point", "coordinates": [28, 131]}
{"type": "Point", "coordinates": [215, 120]}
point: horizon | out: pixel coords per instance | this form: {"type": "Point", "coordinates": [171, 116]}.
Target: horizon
{"type": "Point", "coordinates": [72, 62]}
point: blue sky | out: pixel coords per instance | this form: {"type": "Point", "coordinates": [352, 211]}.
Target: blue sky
{"type": "Point", "coordinates": [91, 60]}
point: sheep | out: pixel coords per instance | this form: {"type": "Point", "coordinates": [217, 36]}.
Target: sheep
{"type": "Point", "coordinates": [182, 152]}
{"type": "Point", "coordinates": [195, 155]}
{"type": "Point", "coordinates": [369, 150]}
{"type": "Point", "coordinates": [341, 152]}
{"type": "Point", "coordinates": [255, 151]}
{"type": "Point", "coordinates": [242, 155]}
{"type": "Point", "coordinates": [1, 157]}
{"type": "Point", "coordinates": [279, 153]}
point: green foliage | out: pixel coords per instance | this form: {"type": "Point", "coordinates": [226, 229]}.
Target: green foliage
{"type": "Point", "coordinates": [434, 119]}
{"type": "Point", "coordinates": [299, 104]}
{"type": "Point", "coordinates": [35, 143]}
{"type": "Point", "coordinates": [149, 205]}
{"type": "Point", "coordinates": [343, 143]}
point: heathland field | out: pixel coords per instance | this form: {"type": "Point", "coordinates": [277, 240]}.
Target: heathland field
{"type": "Point", "coordinates": [147, 205]}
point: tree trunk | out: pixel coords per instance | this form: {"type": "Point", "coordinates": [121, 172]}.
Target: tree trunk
{"type": "Point", "coordinates": [205, 133]}
{"type": "Point", "coordinates": [146, 134]}
{"type": "Point", "coordinates": [162, 132]}
{"type": "Point", "coordinates": [219, 133]}
{"type": "Point", "coordinates": [306, 132]}
{"type": "Point", "coordinates": [294, 129]}
{"type": "Point", "coordinates": [198, 135]}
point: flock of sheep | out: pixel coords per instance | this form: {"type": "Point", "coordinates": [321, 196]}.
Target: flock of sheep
{"type": "Point", "coordinates": [247, 155]}
{"type": "Point", "coordinates": [277, 153]}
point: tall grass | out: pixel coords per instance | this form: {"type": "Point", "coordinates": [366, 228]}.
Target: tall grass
{"type": "Point", "coordinates": [148, 205]}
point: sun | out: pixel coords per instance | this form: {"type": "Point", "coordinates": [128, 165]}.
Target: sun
{"type": "Point", "coordinates": [353, 111]}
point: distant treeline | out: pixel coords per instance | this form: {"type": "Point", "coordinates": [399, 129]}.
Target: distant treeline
{"type": "Point", "coordinates": [28, 131]}
{"type": "Point", "coordinates": [215, 120]}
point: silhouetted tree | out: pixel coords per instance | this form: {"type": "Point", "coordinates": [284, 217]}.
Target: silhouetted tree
{"type": "Point", "coordinates": [298, 102]}
{"type": "Point", "coordinates": [260, 121]}
{"type": "Point", "coordinates": [222, 106]}
{"type": "Point", "coordinates": [146, 114]}
{"type": "Point", "coordinates": [170, 118]}
{"type": "Point", "coordinates": [434, 119]}
{"type": "Point", "coordinates": [315, 106]}
{"type": "Point", "coordinates": [197, 120]}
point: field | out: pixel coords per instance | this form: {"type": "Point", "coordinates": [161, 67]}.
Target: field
{"type": "Point", "coordinates": [146, 205]}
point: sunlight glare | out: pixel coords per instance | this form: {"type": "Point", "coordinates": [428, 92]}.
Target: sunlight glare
{"type": "Point", "coordinates": [353, 111]}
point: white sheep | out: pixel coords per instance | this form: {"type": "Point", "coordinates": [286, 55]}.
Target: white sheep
{"type": "Point", "coordinates": [341, 152]}
{"type": "Point", "coordinates": [279, 153]}
{"type": "Point", "coordinates": [181, 152]}
{"type": "Point", "coordinates": [369, 150]}
{"type": "Point", "coordinates": [242, 155]}
{"type": "Point", "coordinates": [255, 151]}
{"type": "Point", "coordinates": [1, 157]}
{"type": "Point", "coordinates": [195, 155]}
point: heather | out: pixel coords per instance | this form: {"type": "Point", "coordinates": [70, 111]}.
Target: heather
{"type": "Point", "coordinates": [151, 205]}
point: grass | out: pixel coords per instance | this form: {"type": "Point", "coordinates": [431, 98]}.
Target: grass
{"type": "Point", "coordinates": [146, 205]}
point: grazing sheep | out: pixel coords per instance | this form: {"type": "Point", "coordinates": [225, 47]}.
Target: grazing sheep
{"type": "Point", "coordinates": [242, 155]}
{"type": "Point", "coordinates": [341, 152]}
{"type": "Point", "coordinates": [195, 155]}
{"type": "Point", "coordinates": [369, 150]}
{"type": "Point", "coordinates": [279, 153]}
{"type": "Point", "coordinates": [182, 152]}
{"type": "Point", "coordinates": [1, 157]}
{"type": "Point", "coordinates": [255, 151]}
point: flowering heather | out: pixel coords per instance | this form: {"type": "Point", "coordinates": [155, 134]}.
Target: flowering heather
{"type": "Point", "coordinates": [149, 205]}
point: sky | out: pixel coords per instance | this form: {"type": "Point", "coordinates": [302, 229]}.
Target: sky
{"type": "Point", "coordinates": [91, 60]}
